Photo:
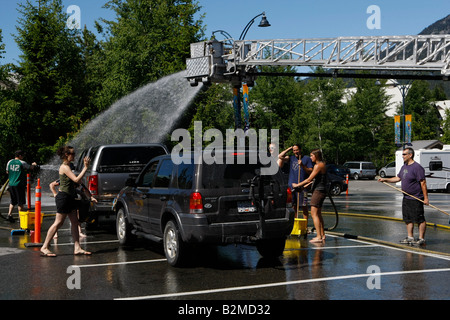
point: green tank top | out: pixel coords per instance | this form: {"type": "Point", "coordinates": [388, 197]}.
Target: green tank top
{"type": "Point", "coordinates": [67, 185]}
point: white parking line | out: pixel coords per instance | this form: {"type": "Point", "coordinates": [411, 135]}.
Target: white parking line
{"type": "Point", "coordinates": [277, 284]}
{"type": "Point", "coordinates": [434, 255]}
{"type": "Point", "coordinates": [336, 247]}
{"type": "Point", "coordinates": [117, 263]}
{"type": "Point", "coordinates": [81, 242]}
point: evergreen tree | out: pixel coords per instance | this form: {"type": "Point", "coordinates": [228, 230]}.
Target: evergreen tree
{"type": "Point", "coordinates": [51, 76]}
{"type": "Point", "coordinates": [425, 117]}
{"type": "Point", "coordinates": [148, 40]}
{"type": "Point", "coordinates": [325, 119]}
{"type": "Point", "coordinates": [214, 108]}
{"type": "Point", "coordinates": [369, 125]}
{"type": "Point", "coordinates": [2, 52]}
{"type": "Point", "coordinates": [274, 101]}
{"type": "Point", "coordinates": [446, 128]}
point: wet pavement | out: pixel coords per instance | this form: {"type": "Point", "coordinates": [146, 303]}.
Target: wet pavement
{"type": "Point", "coordinates": [360, 260]}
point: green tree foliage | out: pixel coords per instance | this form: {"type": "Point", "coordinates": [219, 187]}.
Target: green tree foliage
{"type": "Point", "coordinates": [148, 39]}
{"type": "Point", "coordinates": [323, 121]}
{"type": "Point", "coordinates": [425, 117]}
{"type": "Point", "coordinates": [275, 99]}
{"type": "Point", "coordinates": [370, 125]}
{"type": "Point", "coordinates": [446, 128]}
{"type": "Point", "coordinates": [214, 108]}
{"type": "Point", "coordinates": [51, 87]}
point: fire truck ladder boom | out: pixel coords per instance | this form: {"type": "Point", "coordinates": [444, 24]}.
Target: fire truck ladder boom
{"type": "Point", "coordinates": [236, 61]}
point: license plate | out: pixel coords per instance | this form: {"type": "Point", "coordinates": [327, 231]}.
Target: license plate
{"type": "Point", "coordinates": [245, 206]}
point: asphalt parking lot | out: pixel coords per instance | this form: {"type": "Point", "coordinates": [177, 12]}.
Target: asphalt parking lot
{"type": "Point", "coordinates": [360, 260]}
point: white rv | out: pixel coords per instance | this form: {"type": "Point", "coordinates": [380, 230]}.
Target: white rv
{"type": "Point", "coordinates": [436, 164]}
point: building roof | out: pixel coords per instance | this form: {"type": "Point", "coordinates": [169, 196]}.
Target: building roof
{"type": "Point", "coordinates": [426, 144]}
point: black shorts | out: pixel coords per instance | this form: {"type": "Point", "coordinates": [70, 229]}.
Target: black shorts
{"type": "Point", "coordinates": [412, 211]}
{"type": "Point", "coordinates": [317, 199]}
{"type": "Point", "coordinates": [65, 203]}
{"type": "Point", "coordinates": [17, 195]}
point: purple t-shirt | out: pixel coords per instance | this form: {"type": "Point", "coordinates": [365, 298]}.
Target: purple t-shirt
{"type": "Point", "coordinates": [411, 176]}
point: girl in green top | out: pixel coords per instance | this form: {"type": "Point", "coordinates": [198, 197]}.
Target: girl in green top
{"type": "Point", "coordinates": [65, 201]}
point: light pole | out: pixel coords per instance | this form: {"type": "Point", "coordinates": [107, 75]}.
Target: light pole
{"type": "Point", "coordinates": [403, 88]}
{"type": "Point", "coordinates": [237, 87]}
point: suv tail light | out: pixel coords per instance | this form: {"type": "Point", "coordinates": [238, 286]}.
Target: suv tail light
{"type": "Point", "coordinates": [93, 184]}
{"type": "Point", "coordinates": [289, 198]}
{"type": "Point", "coordinates": [195, 203]}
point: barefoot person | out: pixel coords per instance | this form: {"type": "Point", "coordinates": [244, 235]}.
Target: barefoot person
{"type": "Point", "coordinates": [65, 201]}
{"type": "Point", "coordinates": [319, 174]}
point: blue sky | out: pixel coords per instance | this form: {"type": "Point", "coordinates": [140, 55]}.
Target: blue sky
{"type": "Point", "coordinates": [290, 19]}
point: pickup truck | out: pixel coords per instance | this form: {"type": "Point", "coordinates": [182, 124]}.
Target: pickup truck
{"type": "Point", "coordinates": [111, 166]}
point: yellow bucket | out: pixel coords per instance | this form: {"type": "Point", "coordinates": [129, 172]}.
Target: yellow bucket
{"type": "Point", "coordinates": [27, 219]}
{"type": "Point", "coordinates": [299, 227]}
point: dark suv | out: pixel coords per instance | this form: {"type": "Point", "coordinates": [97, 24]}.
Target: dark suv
{"type": "Point", "coordinates": [185, 205]}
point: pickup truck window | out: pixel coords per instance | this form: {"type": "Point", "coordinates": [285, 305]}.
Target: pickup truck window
{"type": "Point", "coordinates": [126, 159]}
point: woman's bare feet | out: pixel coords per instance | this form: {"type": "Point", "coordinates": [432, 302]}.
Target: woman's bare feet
{"type": "Point", "coordinates": [47, 253]}
{"type": "Point", "coordinates": [82, 252]}
{"type": "Point", "coordinates": [317, 240]}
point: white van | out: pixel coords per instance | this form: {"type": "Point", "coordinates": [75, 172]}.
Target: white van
{"type": "Point", "coordinates": [361, 169]}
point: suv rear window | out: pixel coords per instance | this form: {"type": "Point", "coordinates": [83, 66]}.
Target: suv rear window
{"type": "Point", "coordinates": [217, 176]}
{"type": "Point", "coordinates": [127, 159]}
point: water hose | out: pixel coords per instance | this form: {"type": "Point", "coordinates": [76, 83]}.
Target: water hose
{"type": "Point", "coordinates": [335, 212]}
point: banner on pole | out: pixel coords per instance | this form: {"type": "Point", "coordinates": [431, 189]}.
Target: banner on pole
{"type": "Point", "coordinates": [408, 119]}
{"type": "Point", "coordinates": [397, 130]}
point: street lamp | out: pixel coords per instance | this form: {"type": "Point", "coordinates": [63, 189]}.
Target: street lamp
{"type": "Point", "coordinates": [403, 88]}
{"type": "Point", "coordinates": [236, 87]}
{"type": "Point", "coordinates": [263, 24]}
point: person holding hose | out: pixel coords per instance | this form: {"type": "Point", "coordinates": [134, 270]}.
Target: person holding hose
{"type": "Point", "coordinates": [65, 201]}
{"type": "Point", "coordinates": [319, 191]}
{"type": "Point", "coordinates": [412, 177]}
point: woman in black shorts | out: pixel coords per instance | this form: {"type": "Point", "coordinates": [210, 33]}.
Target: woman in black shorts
{"type": "Point", "coordinates": [65, 201]}
{"type": "Point", "coordinates": [319, 175]}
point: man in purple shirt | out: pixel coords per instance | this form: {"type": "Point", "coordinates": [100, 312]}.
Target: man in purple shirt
{"type": "Point", "coordinates": [412, 176]}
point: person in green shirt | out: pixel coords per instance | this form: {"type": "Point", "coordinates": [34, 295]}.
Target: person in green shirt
{"type": "Point", "coordinates": [16, 170]}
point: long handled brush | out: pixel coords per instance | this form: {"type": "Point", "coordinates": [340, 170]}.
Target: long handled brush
{"type": "Point", "coordinates": [1, 193]}
{"type": "Point", "coordinates": [416, 198]}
